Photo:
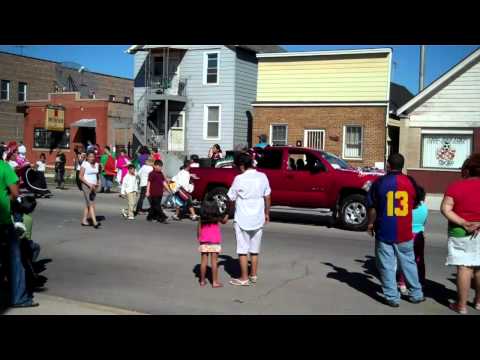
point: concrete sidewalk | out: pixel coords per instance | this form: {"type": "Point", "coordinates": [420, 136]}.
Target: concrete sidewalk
{"type": "Point", "coordinates": [52, 305]}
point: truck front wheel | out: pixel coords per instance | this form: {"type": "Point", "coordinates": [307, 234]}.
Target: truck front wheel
{"type": "Point", "coordinates": [219, 195]}
{"type": "Point", "coordinates": [353, 212]}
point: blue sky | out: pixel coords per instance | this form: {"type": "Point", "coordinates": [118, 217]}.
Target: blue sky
{"type": "Point", "coordinates": [112, 59]}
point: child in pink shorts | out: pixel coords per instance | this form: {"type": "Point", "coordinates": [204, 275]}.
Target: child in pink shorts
{"type": "Point", "coordinates": [210, 239]}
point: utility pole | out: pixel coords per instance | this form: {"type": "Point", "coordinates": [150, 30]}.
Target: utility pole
{"type": "Point", "coordinates": [422, 68]}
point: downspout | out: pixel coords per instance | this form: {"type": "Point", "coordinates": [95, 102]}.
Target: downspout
{"type": "Point", "coordinates": [387, 111]}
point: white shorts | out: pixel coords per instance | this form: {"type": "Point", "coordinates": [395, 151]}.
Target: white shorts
{"type": "Point", "coordinates": [248, 241]}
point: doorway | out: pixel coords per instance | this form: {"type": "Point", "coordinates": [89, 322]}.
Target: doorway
{"type": "Point", "coordinates": [85, 134]}
{"type": "Point", "coordinates": [176, 131]}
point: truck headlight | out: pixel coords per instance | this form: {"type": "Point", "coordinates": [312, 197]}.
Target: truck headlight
{"type": "Point", "coordinates": [367, 186]}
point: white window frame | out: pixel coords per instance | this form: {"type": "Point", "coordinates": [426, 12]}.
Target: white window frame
{"type": "Point", "coordinates": [271, 132]}
{"type": "Point", "coordinates": [205, 67]}
{"type": "Point", "coordinates": [345, 138]}
{"type": "Point", "coordinates": [25, 92]}
{"type": "Point", "coordinates": [205, 122]}
{"type": "Point", "coordinates": [305, 137]}
{"type": "Point", "coordinates": [8, 90]}
{"type": "Point", "coordinates": [443, 132]}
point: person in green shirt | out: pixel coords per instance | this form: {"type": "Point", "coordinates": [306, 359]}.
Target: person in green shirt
{"type": "Point", "coordinates": [20, 296]}
{"type": "Point", "coordinates": [107, 162]}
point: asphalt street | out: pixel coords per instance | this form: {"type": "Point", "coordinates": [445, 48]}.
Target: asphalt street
{"type": "Point", "coordinates": [305, 267]}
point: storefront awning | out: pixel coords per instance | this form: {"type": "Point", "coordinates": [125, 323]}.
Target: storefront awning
{"type": "Point", "coordinates": [88, 123]}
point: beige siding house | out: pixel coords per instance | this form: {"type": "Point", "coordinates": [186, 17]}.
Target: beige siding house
{"type": "Point", "coordinates": [441, 125]}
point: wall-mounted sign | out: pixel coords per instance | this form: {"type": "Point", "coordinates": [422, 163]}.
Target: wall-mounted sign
{"type": "Point", "coordinates": [54, 118]}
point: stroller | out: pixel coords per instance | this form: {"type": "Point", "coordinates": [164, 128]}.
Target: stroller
{"type": "Point", "coordinates": [33, 181]}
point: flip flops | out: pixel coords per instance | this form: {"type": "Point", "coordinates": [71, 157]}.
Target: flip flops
{"type": "Point", "coordinates": [238, 282]}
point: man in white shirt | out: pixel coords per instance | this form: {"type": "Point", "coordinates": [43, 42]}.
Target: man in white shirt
{"type": "Point", "coordinates": [251, 193]}
{"type": "Point", "coordinates": [143, 173]}
{"type": "Point", "coordinates": [22, 150]}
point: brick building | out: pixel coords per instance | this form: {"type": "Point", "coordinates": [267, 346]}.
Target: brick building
{"type": "Point", "coordinates": [24, 78]}
{"type": "Point", "coordinates": [101, 121]}
{"type": "Point", "coordinates": [335, 101]}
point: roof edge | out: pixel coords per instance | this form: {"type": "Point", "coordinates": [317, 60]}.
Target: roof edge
{"type": "Point", "coordinates": [326, 53]}
{"type": "Point", "coordinates": [474, 56]}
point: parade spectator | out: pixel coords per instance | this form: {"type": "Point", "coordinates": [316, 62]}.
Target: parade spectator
{"type": "Point", "coordinates": [80, 157]}
{"type": "Point", "coordinates": [420, 216]}
{"type": "Point", "coordinates": [130, 191]}
{"type": "Point", "coordinates": [251, 193]}
{"type": "Point", "coordinates": [20, 295]}
{"type": "Point", "coordinates": [41, 167]}
{"type": "Point", "coordinates": [156, 154]}
{"type": "Point", "coordinates": [11, 158]}
{"type": "Point", "coordinates": [183, 189]}
{"type": "Point", "coordinates": [109, 171]}
{"type": "Point", "coordinates": [122, 165]}
{"type": "Point", "coordinates": [262, 141]}
{"type": "Point", "coordinates": [195, 161]}
{"type": "Point", "coordinates": [215, 154]}
{"type": "Point", "coordinates": [210, 238]}
{"type": "Point", "coordinates": [461, 207]}
{"type": "Point", "coordinates": [391, 200]}
{"type": "Point", "coordinates": [155, 187]}
{"type": "Point", "coordinates": [143, 174]}
{"type": "Point", "coordinates": [143, 155]}
{"type": "Point", "coordinates": [60, 161]}
{"type": "Point", "coordinates": [89, 173]}
{"type": "Point", "coordinates": [90, 146]}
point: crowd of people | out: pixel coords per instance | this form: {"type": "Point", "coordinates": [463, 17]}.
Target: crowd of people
{"type": "Point", "coordinates": [397, 215]}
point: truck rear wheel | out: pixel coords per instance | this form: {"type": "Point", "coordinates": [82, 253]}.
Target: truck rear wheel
{"type": "Point", "coordinates": [353, 213]}
{"type": "Point", "coordinates": [219, 195]}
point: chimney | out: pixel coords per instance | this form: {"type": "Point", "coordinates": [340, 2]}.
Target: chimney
{"type": "Point", "coordinates": [421, 85]}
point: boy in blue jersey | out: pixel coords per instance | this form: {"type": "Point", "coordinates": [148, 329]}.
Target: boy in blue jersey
{"type": "Point", "coordinates": [390, 201]}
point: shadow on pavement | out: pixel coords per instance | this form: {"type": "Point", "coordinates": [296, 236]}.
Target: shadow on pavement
{"type": "Point", "coordinates": [359, 281]}
{"type": "Point", "coordinates": [301, 218]}
{"type": "Point", "coordinates": [432, 289]}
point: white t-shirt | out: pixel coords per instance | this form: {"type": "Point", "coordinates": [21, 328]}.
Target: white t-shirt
{"type": "Point", "coordinates": [13, 164]}
{"type": "Point", "coordinates": [143, 173]}
{"type": "Point", "coordinates": [22, 149]}
{"type": "Point", "coordinates": [90, 172]}
{"type": "Point", "coordinates": [182, 179]}
{"type": "Point", "coordinates": [41, 166]}
{"type": "Point", "coordinates": [248, 191]}
{"type": "Point", "coordinates": [129, 184]}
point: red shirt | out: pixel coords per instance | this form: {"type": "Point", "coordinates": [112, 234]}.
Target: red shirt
{"type": "Point", "coordinates": [466, 196]}
{"type": "Point", "coordinates": [156, 180]}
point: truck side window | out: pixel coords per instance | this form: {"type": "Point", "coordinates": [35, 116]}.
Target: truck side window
{"type": "Point", "coordinates": [269, 159]}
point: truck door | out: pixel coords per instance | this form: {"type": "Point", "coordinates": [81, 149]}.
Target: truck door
{"type": "Point", "coordinates": [271, 162]}
{"type": "Point", "coordinates": [307, 180]}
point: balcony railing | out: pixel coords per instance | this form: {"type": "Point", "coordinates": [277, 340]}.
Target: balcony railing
{"type": "Point", "coordinates": [166, 86]}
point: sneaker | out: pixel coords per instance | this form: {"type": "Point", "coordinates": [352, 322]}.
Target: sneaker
{"type": "Point", "coordinates": [403, 290]}
{"type": "Point", "coordinates": [392, 303]}
{"type": "Point", "coordinates": [253, 279]}
{"type": "Point", "coordinates": [194, 218]}
{"type": "Point", "coordinates": [417, 301]}
{"type": "Point", "coordinates": [175, 218]}
{"type": "Point", "coordinates": [131, 218]}
{"type": "Point", "coordinates": [26, 305]}
{"type": "Point", "coordinates": [124, 213]}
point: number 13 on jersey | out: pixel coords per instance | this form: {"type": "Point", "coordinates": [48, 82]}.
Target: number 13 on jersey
{"type": "Point", "coordinates": [402, 197]}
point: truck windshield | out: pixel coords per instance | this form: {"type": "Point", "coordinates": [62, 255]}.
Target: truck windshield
{"type": "Point", "coordinates": [336, 162]}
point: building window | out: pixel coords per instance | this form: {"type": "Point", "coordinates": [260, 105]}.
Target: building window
{"type": "Point", "coordinates": [445, 151]}
{"type": "Point", "coordinates": [126, 99]}
{"type": "Point", "coordinates": [22, 91]}
{"type": "Point", "coordinates": [279, 134]}
{"type": "Point", "coordinates": [352, 142]}
{"type": "Point", "coordinates": [212, 122]}
{"type": "Point", "coordinates": [44, 139]}
{"type": "Point", "coordinates": [210, 68]}
{"type": "Point", "coordinates": [5, 90]}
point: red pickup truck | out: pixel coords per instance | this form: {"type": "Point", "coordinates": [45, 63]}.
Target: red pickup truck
{"type": "Point", "coordinates": [300, 178]}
